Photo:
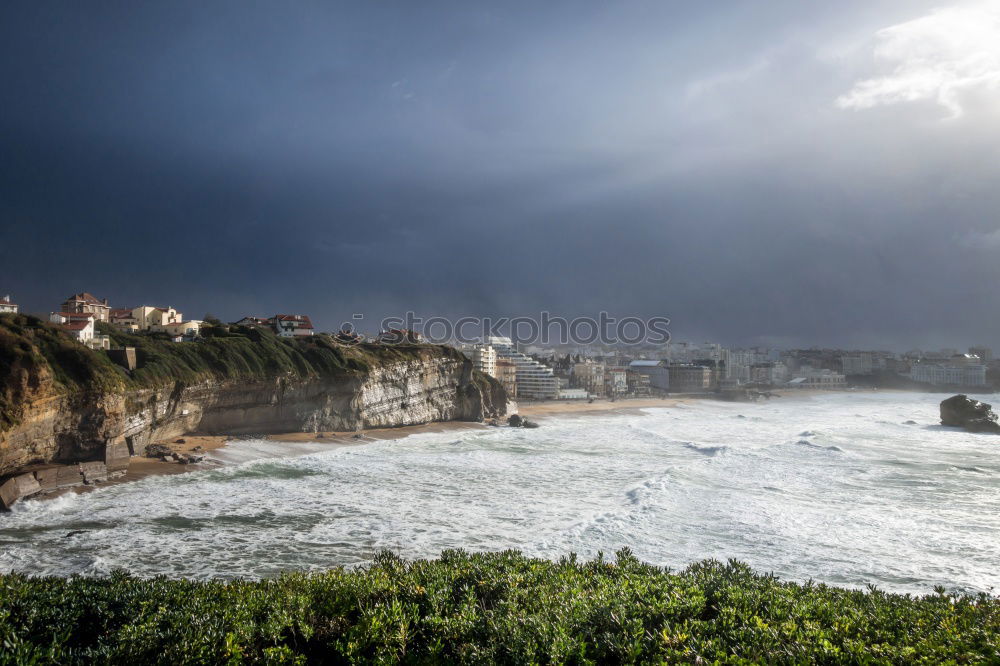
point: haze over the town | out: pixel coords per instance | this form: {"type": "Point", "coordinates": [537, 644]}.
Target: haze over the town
{"type": "Point", "coordinates": [795, 174]}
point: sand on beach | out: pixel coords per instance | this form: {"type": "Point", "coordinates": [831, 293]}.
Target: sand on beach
{"type": "Point", "coordinates": [569, 407]}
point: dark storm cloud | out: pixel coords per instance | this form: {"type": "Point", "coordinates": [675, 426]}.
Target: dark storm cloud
{"type": "Point", "coordinates": [648, 158]}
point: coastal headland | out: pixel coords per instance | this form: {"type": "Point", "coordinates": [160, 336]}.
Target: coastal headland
{"type": "Point", "coordinates": [70, 415]}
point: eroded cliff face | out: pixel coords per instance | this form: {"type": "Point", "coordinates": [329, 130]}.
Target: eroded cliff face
{"type": "Point", "coordinates": [91, 426]}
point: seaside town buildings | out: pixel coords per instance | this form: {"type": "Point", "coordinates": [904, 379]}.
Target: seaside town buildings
{"type": "Point", "coordinates": [818, 378]}
{"type": "Point", "coordinates": [615, 381]}
{"type": "Point", "coordinates": [656, 371]}
{"type": "Point", "coordinates": [984, 353]}
{"type": "Point", "coordinates": [578, 371]}
{"type": "Point", "coordinates": [960, 370]}
{"type": "Point", "coordinates": [589, 375]}
{"type": "Point", "coordinates": [535, 380]}
{"type": "Point", "coordinates": [285, 325]}
{"type": "Point", "coordinates": [689, 378]}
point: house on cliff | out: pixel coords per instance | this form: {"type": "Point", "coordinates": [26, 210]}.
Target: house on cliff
{"type": "Point", "coordinates": [84, 303]}
{"type": "Point", "coordinates": [7, 306]}
{"type": "Point", "coordinates": [80, 326]}
{"type": "Point", "coordinates": [253, 322]}
{"type": "Point", "coordinates": [291, 326]}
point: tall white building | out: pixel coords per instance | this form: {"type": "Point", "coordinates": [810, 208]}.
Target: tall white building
{"type": "Point", "coordinates": [484, 359]}
{"type": "Point", "coordinates": [535, 381]}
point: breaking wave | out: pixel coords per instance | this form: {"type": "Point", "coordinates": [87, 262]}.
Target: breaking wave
{"type": "Point", "coordinates": [901, 508]}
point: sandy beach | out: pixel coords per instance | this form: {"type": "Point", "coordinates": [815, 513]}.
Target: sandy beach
{"type": "Point", "coordinates": [583, 407]}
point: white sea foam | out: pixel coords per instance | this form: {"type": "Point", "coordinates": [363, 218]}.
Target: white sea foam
{"type": "Point", "coordinates": [836, 488]}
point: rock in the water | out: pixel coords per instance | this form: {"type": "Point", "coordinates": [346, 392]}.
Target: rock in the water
{"type": "Point", "coordinates": [515, 421]}
{"type": "Point", "coordinates": [528, 424]}
{"type": "Point", "coordinates": [964, 412]}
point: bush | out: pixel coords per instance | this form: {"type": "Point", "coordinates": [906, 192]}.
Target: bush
{"type": "Point", "coordinates": [488, 608]}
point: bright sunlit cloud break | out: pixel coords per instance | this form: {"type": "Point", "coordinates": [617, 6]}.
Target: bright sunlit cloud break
{"type": "Point", "coordinates": [940, 57]}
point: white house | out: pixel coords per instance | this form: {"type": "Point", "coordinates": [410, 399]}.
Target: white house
{"type": "Point", "coordinates": [7, 306]}
{"type": "Point", "coordinates": [80, 326]}
{"type": "Point", "coordinates": [183, 328]}
{"type": "Point", "coordinates": [152, 318]}
{"type": "Point", "coordinates": [291, 326]}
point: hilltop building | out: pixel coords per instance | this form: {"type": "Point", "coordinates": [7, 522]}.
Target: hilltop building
{"type": "Point", "coordinates": [292, 325]}
{"type": "Point", "coordinates": [253, 321]}
{"type": "Point", "coordinates": [152, 318]}
{"type": "Point", "coordinates": [285, 325]}
{"type": "Point", "coordinates": [123, 319]}
{"type": "Point", "coordinates": [80, 326]}
{"type": "Point", "coordinates": [86, 302]}
{"type": "Point", "coordinates": [7, 306]}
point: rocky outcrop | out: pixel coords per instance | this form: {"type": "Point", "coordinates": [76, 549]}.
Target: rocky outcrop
{"type": "Point", "coordinates": [963, 412]}
{"type": "Point", "coordinates": [105, 428]}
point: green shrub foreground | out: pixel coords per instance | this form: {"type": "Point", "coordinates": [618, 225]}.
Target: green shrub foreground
{"type": "Point", "coordinates": [488, 608]}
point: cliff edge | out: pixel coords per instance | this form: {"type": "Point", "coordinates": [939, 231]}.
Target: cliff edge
{"type": "Point", "coordinates": [62, 404]}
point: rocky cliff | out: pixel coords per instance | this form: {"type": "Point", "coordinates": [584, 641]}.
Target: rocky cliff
{"type": "Point", "coordinates": [63, 404]}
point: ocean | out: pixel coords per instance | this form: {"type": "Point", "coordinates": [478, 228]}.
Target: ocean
{"type": "Point", "coordinates": [848, 489]}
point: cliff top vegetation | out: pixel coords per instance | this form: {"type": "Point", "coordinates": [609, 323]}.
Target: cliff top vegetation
{"type": "Point", "coordinates": [37, 358]}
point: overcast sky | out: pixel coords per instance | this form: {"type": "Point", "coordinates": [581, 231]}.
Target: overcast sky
{"type": "Point", "coordinates": [779, 172]}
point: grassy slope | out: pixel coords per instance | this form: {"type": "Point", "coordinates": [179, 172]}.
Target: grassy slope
{"type": "Point", "coordinates": [489, 608]}
{"type": "Point", "coordinates": [30, 348]}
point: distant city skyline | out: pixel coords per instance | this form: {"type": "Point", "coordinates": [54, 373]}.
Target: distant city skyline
{"type": "Point", "coordinates": [783, 174]}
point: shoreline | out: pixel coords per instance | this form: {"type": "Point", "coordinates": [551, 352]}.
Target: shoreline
{"type": "Point", "coordinates": [141, 467]}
